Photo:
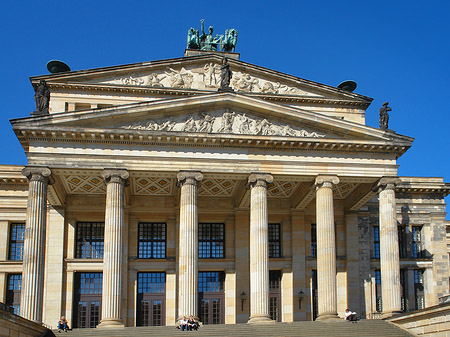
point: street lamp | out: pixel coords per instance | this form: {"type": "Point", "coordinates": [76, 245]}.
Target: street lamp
{"type": "Point", "coordinates": [300, 295]}
{"type": "Point", "coordinates": [243, 297]}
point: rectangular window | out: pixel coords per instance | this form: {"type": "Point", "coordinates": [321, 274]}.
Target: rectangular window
{"type": "Point", "coordinates": [418, 289]}
{"type": "Point", "coordinates": [151, 283]}
{"type": "Point", "coordinates": [376, 242]}
{"type": "Point", "coordinates": [274, 240]}
{"type": "Point", "coordinates": [402, 241]}
{"type": "Point", "coordinates": [274, 280]}
{"type": "Point", "coordinates": [315, 297]}
{"type": "Point", "coordinates": [210, 281]}
{"type": "Point", "coordinates": [313, 240]}
{"type": "Point", "coordinates": [379, 302]}
{"type": "Point", "coordinates": [13, 292]}
{"type": "Point", "coordinates": [417, 241]}
{"type": "Point", "coordinates": [211, 240]}
{"type": "Point", "coordinates": [152, 240]}
{"type": "Point", "coordinates": [16, 237]}
{"type": "Point", "coordinates": [90, 237]}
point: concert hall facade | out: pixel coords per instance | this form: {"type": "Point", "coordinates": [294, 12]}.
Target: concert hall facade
{"type": "Point", "coordinates": [151, 193]}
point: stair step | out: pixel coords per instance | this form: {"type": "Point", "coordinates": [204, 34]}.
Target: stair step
{"type": "Point", "coordinates": [363, 328]}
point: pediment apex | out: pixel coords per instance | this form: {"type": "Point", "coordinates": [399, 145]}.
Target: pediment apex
{"type": "Point", "coordinates": [200, 73]}
{"type": "Point", "coordinates": [280, 120]}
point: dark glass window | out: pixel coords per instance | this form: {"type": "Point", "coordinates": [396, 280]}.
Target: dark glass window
{"type": "Point", "coordinates": [17, 235]}
{"type": "Point", "coordinates": [211, 240]}
{"type": "Point", "coordinates": [91, 283]}
{"type": "Point", "coordinates": [90, 237]}
{"type": "Point", "coordinates": [315, 298]}
{"type": "Point", "coordinates": [210, 281]}
{"type": "Point", "coordinates": [379, 303]}
{"type": "Point", "coordinates": [313, 240]}
{"type": "Point", "coordinates": [418, 289]}
{"type": "Point", "coordinates": [402, 241]}
{"type": "Point", "coordinates": [274, 280]}
{"type": "Point", "coordinates": [274, 240]}
{"type": "Point", "coordinates": [376, 242]}
{"type": "Point", "coordinates": [13, 292]}
{"type": "Point", "coordinates": [417, 241]}
{"type": "Point", "coordinates": [152, 240]}
{"type": "Point", "coordinates": [154, 283]}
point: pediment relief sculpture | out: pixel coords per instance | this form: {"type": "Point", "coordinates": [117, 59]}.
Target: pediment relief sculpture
{"type": "Point", "coordinates": [223, 122]}
{"type": "Point", "coordinates": [206, 77]}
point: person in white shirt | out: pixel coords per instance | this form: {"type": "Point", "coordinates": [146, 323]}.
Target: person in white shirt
{"type": "Point", "coordinates": [350, 315]}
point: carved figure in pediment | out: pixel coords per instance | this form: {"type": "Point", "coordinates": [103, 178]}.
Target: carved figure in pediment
{"type": "Point", "coordinates": [271, 88]}
{"type": "Point", "coordinates": [227, 122]}
{"type": "Point", "coordinates": [206, 123]}
{"type": "Point", "coordinates": [179, 79]}
{"type": "Point", "coordinates": [244, 127]}
{"type": "Point", "coordinates": [153, 80]}
{"type": "Point", "coordinates": [133, 79]}
{"type": "Point", "coordinates": [225, 74]}
{"type": "Point", "coordinates": [168, 125]}
{"type": "Point", "coordinates": [42, 98]}
{"type": "Point", "coordinates": [189, 125]}
{"type": "Point", "coordinates": [262, 127]}
{"type": "Point", "coordinates": [246, 83]}
{"type": "Point", "coordinates": [193, 39]}
{"type": "Point", "coordinates": [210, 74]}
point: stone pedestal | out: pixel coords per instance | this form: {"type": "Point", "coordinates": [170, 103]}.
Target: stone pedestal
{"type": "Point", "coordinates": [188, 245]}
{"type": "Point", "coordinates": [259, 249]}
{"type": "Point", "coordinates": [116, 181]}
{"type": "Point", "coordinates": [34, 244]}
{"type": "Point", "coordinates": [326, 248]}
{"type": "Point", "coordinates": [389, 250]}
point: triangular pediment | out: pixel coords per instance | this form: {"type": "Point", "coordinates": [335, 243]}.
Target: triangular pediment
{"type": "Point", "coordinates": [202, 74]}
{"type": "Point", "coordinates": [225, 114]}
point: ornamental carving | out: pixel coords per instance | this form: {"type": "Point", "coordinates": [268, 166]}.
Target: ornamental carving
{"type": "Point", "coordinates": [228, 122]}
{"type": "Point", "coordinates": [206, 77]}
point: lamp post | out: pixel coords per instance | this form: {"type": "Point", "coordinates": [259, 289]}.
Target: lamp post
{"type": "Point", "coordinates": [300, 295]}
{"type": "Point", "coordinates": [243, 297]}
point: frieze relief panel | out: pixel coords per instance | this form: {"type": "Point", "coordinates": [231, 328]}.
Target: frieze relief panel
{"type": "Point", "coordinates": [206, 77]}
{"type": "Point", "coordinates": [223, 122]}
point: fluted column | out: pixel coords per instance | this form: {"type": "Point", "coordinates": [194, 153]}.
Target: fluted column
{"type": "Point", "coordinates": [259, 248]}
{"type": "Point", "coordinates": [326, 248]}
{"type": "Point", "coordinates": [34, 243]}
{"type": "Point", "coordinates": [188, 244]}
{"type": "Point", "coordinates": [389, 250]}
{"type": "Point", "coordinates": [116, 181]}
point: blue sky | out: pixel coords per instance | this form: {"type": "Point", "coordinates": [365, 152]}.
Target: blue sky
{"type": "Point", "coordinates": [397, 51]}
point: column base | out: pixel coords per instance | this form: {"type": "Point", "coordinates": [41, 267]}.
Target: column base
{"type": "Point", "coordinates": [111, 323]}
{"type": "Point", "coordinates": [328, 317]}
{"type": "Point", "coordinates": [263, 319]}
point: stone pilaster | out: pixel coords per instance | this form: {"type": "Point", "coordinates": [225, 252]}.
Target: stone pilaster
{"type": "Point", "coordinates": [259, 249]}
{"type": "Point", "coordinates": [326, 248]}
{"type": "Point", "coordinates": [188, 244]}
{"type": "Point", "coordinates": [389, 251]}
{"type": "Point", "coordinates": [116, 181]}
{"type": "Point", "coordinates": [34, 244]}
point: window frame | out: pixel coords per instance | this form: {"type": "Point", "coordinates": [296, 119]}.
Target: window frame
{"type": "Point", "coordinates": [99, 253]}
{"type": "Point", "coordinates": [276, 242]}
{"type": "Point", "coordinates": [151, 240]}
{"type": "Point", "coordinates": [210, 240]}
{"type": "Point", "coordinates": [15, 243]}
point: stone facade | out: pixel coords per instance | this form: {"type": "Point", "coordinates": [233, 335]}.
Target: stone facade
{"type": "Point", "coordinates": [166, 197]}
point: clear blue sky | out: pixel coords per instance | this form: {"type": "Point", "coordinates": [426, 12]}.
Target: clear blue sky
{"type": "Point", "coordinates": [397, 51]}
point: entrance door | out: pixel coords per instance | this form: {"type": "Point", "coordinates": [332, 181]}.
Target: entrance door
{"type": "Point", "coordinates": [275, 294]}
{"type": "Point", "coordinates": [151, 299]}
{"type": "Point", "coordinates": [211, 297]}
{"type": "Point", "coordinates": [88, 299]}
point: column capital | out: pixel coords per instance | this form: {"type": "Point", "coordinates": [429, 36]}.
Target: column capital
{"type": "Point", "coordinates": [189, 177]}
{"type": "Point", "coordinates": [326, 181]}
{"type": "Point", "coordinates": [116, 176]}
{"type": "Point", "coordinates": [38, 173]}
{"type": "Point", "coordinates": [387, 183]}
{"type": "Point", "coordinates": [259, 179]}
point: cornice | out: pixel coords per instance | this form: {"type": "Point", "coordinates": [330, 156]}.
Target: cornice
{"type": "Point", "coordinates": [183, 139]}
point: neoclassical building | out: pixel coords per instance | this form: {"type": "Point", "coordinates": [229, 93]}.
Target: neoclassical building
{"type": "Point", "coordinates": [151, 194]}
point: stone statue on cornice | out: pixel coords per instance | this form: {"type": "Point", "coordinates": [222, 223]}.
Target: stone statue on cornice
{"type": "Point", "coordinates": [384, 116]}
{"type": "Point", "coordinates": [42, 98]}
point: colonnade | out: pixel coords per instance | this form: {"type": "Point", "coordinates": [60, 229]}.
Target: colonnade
{"type": "Point", "coordinates": [188, 181]}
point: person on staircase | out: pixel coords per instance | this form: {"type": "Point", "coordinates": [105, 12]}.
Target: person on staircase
{"type": "Point", "coordinates": [350, 315]}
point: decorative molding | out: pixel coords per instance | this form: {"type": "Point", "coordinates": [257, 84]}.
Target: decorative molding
{"type": "Point", "coordinates": [281, 189]}
{"type": "Point", "coordinates": [150, 185]}
{"type": "Point", "coordinates": [218, 187]}
{"type": "Point", "coordinates": [82, 184]}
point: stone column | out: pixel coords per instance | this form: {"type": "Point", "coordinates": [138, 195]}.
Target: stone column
{"type": "Point", "coordinates": [116, 181]}
{"type": "Point", "coordinates": [188, 244]}
{"type": "Point", "coordinates": [326, 248]}
{"type": "Point", "coordinates": [34, 244]}
{"type": "Point", "coordinates": [259, 248]}
{"type": "Point", "coordinates": [389, 250]}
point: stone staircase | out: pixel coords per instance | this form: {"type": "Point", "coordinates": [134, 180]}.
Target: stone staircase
{"type": "Point", "coordinates": [342, 328]}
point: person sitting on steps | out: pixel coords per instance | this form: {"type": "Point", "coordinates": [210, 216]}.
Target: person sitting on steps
{"type": "Point", "coordinates": [350, 315]}
{"type": "Point", "coordinates": [193, 324]}
{"type": "Point", "coordinates": [62, 324]}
